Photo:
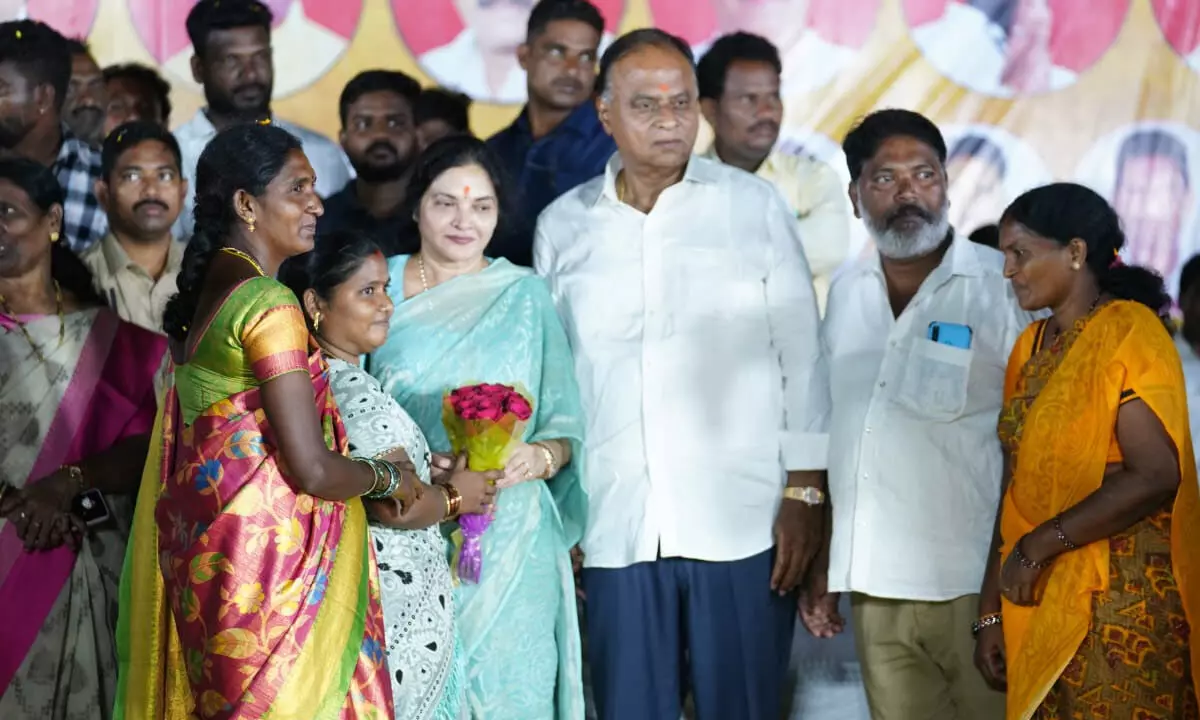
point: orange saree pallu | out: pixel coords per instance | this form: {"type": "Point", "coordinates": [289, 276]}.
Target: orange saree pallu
{"type": "Point", "coordinates": [1127, 601]}
{"type": "Point", "coordinates": [243, 598]}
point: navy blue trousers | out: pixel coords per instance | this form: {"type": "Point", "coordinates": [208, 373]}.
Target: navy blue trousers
{"type": "Point", "coordinates": [659, 629]}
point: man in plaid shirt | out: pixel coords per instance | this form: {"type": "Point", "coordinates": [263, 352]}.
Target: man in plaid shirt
{"type": "Point", "coordinates": [35, 70]}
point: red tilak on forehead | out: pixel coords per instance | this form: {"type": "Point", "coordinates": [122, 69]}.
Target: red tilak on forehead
{"type": "Point", "coordinates": [663, 87]}
{"type": "Point", "coordinates": [466, 190]}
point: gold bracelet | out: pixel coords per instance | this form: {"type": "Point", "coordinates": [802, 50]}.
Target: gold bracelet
{"type": "Point", "coordinates": [446, 495]}
{"type": "Point", "coordinates": [551, 462]}
{"type": "Point", "coordinates": [455, 501]}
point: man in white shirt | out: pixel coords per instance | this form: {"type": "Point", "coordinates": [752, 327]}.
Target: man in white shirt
{"type": "Point", "coordinates": [997, 47]}
{"type": "Point", "coordinates": [809, 61]}
{"type": "Point", "coordinates": [690, 309]}
{"type": "Point", "coordinates": [481, 61]}
{"type": "Point", "coordinates": [917, 338]}
{"type": "Point", "coordinates": [231, 40]}
{"type": "Point", "coordinates": [739, 95]}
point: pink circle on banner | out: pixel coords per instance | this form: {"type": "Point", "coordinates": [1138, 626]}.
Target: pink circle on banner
{"type": "Point", "coordinates": [431, 24]}
{"type": "Point", "coordinates": [1179, 21]}
{"type": "Point", "coordinates": [308, 36]}
{"type": "Point", "coordinates": [847, 23]}
{"type": "Point", "coordinates": [72, 18]}
{"type": "Point", "coordinates": [817, 39]}
{"type": "Point", "coordinates": [471, 45]}
{"type": "Point", "coordinates": [1063, 37]}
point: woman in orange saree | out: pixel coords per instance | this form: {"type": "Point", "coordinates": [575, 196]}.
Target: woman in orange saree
{"type": "Point", "coordinates": [250, 589]}
{"type": "Point", "coordinates": [1096, 577]}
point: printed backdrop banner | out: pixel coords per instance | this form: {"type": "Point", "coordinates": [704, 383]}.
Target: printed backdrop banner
{"type": "Point", "coordinates": [1105, 92]}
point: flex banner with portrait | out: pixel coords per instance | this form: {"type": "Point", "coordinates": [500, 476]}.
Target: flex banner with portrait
{"type": "Point", "coordinates": [1104, 92]}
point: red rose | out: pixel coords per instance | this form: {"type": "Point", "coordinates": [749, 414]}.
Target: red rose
{"type": "Point", "coordinates": [491, 413]}
{"type": "Point", "coordinates": [519, 406]}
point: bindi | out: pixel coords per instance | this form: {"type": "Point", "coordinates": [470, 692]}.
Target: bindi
{"type": "Point", "coordinates": [466, 190]}
{"type": "Point", "coordinates": [663, 88]}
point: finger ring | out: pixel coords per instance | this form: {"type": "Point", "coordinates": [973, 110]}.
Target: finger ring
{"type": "Point", "coordinates": [23, 515]}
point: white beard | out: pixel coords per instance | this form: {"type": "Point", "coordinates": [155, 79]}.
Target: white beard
{"type": "Point", "coordinates": [904, 246]}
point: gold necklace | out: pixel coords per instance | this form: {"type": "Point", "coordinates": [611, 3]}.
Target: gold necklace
{"type": "Point", "coordinates": [245, 256]}
{"type": "Point", "coordinates": [62, 323]}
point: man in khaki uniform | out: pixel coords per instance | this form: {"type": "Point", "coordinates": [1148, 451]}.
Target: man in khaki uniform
{"type": "Point", "coordinates": [142, 190]}
{"type": "Point", "coordinates": [739, 95]}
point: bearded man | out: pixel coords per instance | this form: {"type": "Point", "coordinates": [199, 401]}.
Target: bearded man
{"type": "Point", "coordinates": [917, 338]}
{"type": "Point", "coordinates": [379, 135]}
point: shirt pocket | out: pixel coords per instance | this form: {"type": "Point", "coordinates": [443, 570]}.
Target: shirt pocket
{"type": "Point", "coordinates": [934, 382]}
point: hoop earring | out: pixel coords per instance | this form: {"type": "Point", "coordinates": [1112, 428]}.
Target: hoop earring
{"type": "Point", "coordinates": [317, 322]}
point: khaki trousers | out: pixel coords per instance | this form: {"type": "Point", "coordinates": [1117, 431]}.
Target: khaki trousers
{"type": "Point", "coordinates": [918, 660]}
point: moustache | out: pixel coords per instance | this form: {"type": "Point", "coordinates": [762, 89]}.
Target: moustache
{"type": "Point", "coordinates": [139, 205]}
{"type": "Point", "coordinates": [570, 85]}
{"type": "Point", "coordinates": [905, 211]}
{"type": "Point", "coordinates": [249, 87]}
{"type": "Point", "coordinates": [765, 125]}
{"type": "Point", "coordinates": [380, 145]}
{"type": "Point", "coordinates": [87, 110]}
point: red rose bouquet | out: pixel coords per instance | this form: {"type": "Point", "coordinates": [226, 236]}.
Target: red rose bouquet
{"type": "Point", "coordinates": [485, 421]}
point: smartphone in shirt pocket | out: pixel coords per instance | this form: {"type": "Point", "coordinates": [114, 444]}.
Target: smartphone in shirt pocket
{"type": "Point", "coordinates": [937, 372]}
{"type": "Point", "coordinates": [952, 334]}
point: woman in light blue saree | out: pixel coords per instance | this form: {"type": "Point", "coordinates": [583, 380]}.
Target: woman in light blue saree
{"type": "Point", "coordinates": [460, 319]}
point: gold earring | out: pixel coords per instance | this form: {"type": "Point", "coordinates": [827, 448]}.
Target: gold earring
{"type": "Point", "coordinates": [250, 225]}
{"type": "Point", "coordinates": [54, 236]}
{"type": "Point", "coordinates": [1075, 266]}
{"type": "Point", "coordinates": [317, 322]}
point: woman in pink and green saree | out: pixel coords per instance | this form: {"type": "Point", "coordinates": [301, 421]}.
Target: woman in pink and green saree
{"type": "Point", "coordinates": [250, 588]}
{"type": "Point", "coordinates": [76, 407]}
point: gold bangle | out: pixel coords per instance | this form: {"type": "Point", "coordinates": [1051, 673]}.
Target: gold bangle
{"type": "Point", "coordinates": [551, 462]}
{"type": "Point", "coordinates": [455, 502]}
{"type": "Point", "coordinates": [446, 495]}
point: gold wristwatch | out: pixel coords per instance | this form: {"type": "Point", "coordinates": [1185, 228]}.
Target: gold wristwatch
{"type": "Point", "coordinates": [807, 495]}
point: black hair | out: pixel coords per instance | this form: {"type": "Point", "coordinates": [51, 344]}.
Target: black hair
{"type": "Point", "coordinates": [209, 15]}
{"type": "Point", "coordinates": [334, 258]}
{"type": "Point", "coordinates": [147, 76]}
{"type": "Point", "coordinates": [1153, 143]}
{"type": "Point", "coordinates": [40, 53]}
{"type": "Point", "coordinates": [448, 106]}
{"type": "Point", "coordinates": [129, 135]}
{"type": "Point", "coordinates": [1189, 275]}
{"type": "Point", "coordinates": [724, 52]}
{"type": "Point", "coordinates": [43, 189]}
{"type": "Point", "coordinates": [987, 235]}
{"type": "Point", "coordinates": [451, 152]}
{"type": "Point", "coordinates": [865, 138]}
{"type": "Point", "coordinates": [370, 81]}
{"type": "Point", "coordinates": [77, 46]}
{"type": "Point", "coordinates": [548, 11]}
{"type": "Point", "coordinates": [979, 147]}
{"type": "Point", "coordinates": [243, 157]}
{"type": "Point", "coordinates": [636, 40]}
{"type": "Point", "coordinates": [1065, 211]}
